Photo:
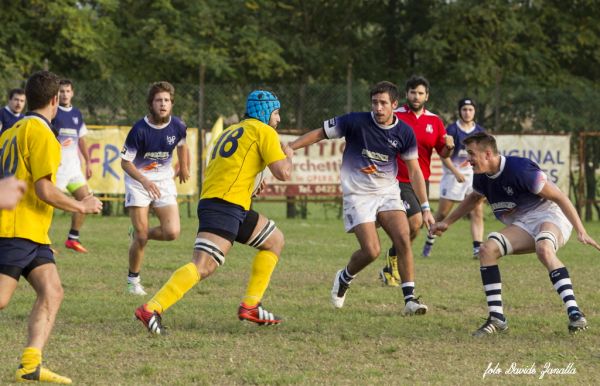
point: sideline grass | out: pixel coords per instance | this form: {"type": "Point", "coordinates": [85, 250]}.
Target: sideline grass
{"type": "Point", "coordinates": [96, 341]}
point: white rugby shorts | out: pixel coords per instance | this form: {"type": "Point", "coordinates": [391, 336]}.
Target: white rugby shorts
{"type": "Point", "coordinates": [69, 177]}
{"type": "Point", "coordinates": [451, 189]}
{"type": "Point", "coordinates": [360, 209]}
{"type": "Point", "coordinates": [532, 221]}
{"type": "Point", "coordinates": [137, 195]}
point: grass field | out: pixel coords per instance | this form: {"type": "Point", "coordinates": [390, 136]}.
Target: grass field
{"type": "Point", "coordinates": [367, 342]}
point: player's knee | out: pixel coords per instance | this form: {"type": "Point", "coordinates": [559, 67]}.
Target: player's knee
{"type": "Point", "coordinates": [276, 240]}
{"type": "Point", "coordinates": [4, 302]}
{"type": "Point", "coordinates": [171, 234]}
{"type": "Point", "coordinates": [372, 251]}
{"type": "Point", "coordinates": [53, 294]}
{"type": "Point", "coordinates": [546, 246]}
{"type": "Point", "coordinates": [488, 252]}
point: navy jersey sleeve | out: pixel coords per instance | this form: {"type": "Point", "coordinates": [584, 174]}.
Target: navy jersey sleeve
{"type": "Point", "coordinates": [530, 177]}
{"type": "Point", "coordinates": [133, 143]}
{"type": "Point", "coordinates": [337, 127]}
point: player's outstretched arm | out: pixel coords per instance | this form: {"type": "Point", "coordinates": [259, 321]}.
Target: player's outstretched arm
{"type": "Point", "coordinates": [11, 191]}
{"type": "Point", "coordinates": [466, 206]}
{"type": "Point", "coordinates": [50, 194]}
{"type": "Point", "coordinates": [309, 138]}
{"type": "Point", "coordinates": [551, 192]}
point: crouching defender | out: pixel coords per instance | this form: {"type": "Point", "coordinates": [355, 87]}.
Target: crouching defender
{"type": "Point", "coordinates": [239, 155]}
{"type": "Point", "coordinates": [538, 217]}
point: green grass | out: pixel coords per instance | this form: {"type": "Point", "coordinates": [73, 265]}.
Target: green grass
{"type": "Point", "coordinates": [95, 340]}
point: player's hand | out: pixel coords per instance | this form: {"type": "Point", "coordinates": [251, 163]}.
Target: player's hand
{"type": "Point", "coordinates": [438, 228]}
{"type": "Point", "coordinates": [428, 219]}
{"type": "Point", "coordinates": [11, 192]}
{"type": "Point", "coordinates": [450, 142]}
{"type": "Point", "coordinates": [261, 187]}
{"type": "Point", "coordinates": [584, 238]}
{"type": "Point", "coordinates": [460, 177]}
{"type": "Point", "coordinates": [289, 152]}
{"type": "Point", "coordinates": [151, 188]}
{"type": "Point", "coordinates": [88, 172]}
{"type": "Point", "coordinates": [91, 204]}
{"type": "Point", "coordinates": [183, 175]}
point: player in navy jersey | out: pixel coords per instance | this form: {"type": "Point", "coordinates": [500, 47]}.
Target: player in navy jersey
{"type": "Point", "coordinates": [71, 129]}
{"type": "Point", "coordinates": [371, 192]}
{"type": "Point", "coordinates": [538, 218]}
{"type": "Point", "coordinates": [457, 177]}
{"type": "Point", "coordinates": [13, 111]}
{"type": "Point", "coordinates": [146, 159]}
{"type": "Point", "coordinates": [431, 134]}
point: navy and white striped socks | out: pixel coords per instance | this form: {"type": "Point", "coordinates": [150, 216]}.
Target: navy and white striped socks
{"type": "Point", "coordinates": [562, 284]}
{"type": "Point", "coordinates": [492, 285]}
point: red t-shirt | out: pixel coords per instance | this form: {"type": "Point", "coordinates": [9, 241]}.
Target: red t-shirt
{"type": "Point", "coordinates": [430, 132]}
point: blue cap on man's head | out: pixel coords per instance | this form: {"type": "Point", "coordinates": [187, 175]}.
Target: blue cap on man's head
{"type": "Point", "coordinates": [260, 104]}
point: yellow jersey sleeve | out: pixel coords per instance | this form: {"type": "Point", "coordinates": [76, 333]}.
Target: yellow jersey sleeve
{"type": "Point", "coordinates": [44, 154]}
{"type": "Point", "coordinates": [270, 147]}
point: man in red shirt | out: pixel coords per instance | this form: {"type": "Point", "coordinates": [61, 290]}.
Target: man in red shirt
{"type": "Point", "coordinates": [431, 134]}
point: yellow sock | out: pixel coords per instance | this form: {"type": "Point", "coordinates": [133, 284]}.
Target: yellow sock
{"type": "Point", "coordinates": [262, 267]}
{"type": "Point", "coordinates": [32, 357]}
{"type": "Point", "coordinates": [178, 284]}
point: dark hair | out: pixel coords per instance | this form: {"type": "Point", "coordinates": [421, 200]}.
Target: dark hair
{"type": "Point", "coordinates": [66, 82]}
{"type": "Point", "coordinates": [386, 87]}
{"type": "Point", "coordinates": [15, 91]}
{"type": "Point", "coordinates": [483, 140]}
{"type": "Point", "coordinates": [157, 87]}
{"type": "Point", "coordinates": [416, 81]}
{"type": "Point", "coordinates": [41, 87]}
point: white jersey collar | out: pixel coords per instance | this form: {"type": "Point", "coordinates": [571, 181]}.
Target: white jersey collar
{"type": "Point", "coordinates": [385, 127]}
{"type": "Point", "coordinates": [502, 164]}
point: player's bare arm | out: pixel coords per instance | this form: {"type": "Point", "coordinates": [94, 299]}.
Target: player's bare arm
{"type": "Point", "coordinates": [309, 138]}
{"type": "Point", "coordinates": [86, 157]}
{"type": "Point", "coordinates": [448, 148]}
{"type": "Point", "coordinates": [551, 192]}
{"type": "Point", "coordinates": [466, 206]}
{"type": "Point", "coordinates": [50, 194]}
{"type": "Point", "coordinates": [450, 165]}
{"type": "Point", "coordinates": [150, 186]}
{"type": "Point", "coordinates": [282, 169]}
{"type": "Point", "coordinates": [418, 183]}
{"type": "Point", "coordinates": [184, 168]}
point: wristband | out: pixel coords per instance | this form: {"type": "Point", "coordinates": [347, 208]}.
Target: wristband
{"type": "Point", "coordinates": [425, 206]}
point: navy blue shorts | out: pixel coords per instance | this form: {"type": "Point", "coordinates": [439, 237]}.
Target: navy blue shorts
{"type": "Point", "coordinates": [18, 257]}
{"type": "Point", "coordinates": [230, 221]}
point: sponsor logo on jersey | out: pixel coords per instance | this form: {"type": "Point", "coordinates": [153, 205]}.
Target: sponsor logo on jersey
{"type": "Point", "coordinates": [157, 155]}
{"type": "Point", "coordinates": [429, 128]}
{"type": "Point", "coordinates": [170, 139]}
{"type": "Point", "coordinates": [150, 166]}
{"type": "Point", "coordinates": [503, 206]}
{"type": "Point", "coordinates": [67, 132]}
{"type": "Point", "coordinates": [76, 120]}
{"type": "Point", "coordinates": [508, 190]}
{"type": "Point", "coordinates": [67, 142]}
{"type": "Point", "coordinates": [371, 169]}
{"type": "Point", "coordinates": [393, 143]}
{"type": "Point", "coordinates": [374, 155]}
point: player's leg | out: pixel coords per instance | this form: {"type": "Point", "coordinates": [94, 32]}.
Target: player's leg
{"type": "Point", "coordinates": [444, 207]}
{"type": "Point", "coordinates": [389, 274]}
{"type": "Point", "coordinates": [73, 242]}
{"type": "Point", "coordinates": [139, 222]}
{"type": "Point", "coordinates": [8, 284]}
{"type": "Point", "coordinates": [395, 224]}
{"type": "Point", "coordinates": [261, 233]}
{"type": "Point", "coordinates": [476, 217]}
{"type": "Point", "coordinates": [547, 242]}
{"type": "Point", "coordinates": [219, 223]}
{"type": "Point", "coordinates": [169, 227]}
{"type": "Point", "coordinates": [43, 277]}
{"type": "Point", "coordinates": [167, 210]}
{"type": "Point", "coordinates": [510, 240]}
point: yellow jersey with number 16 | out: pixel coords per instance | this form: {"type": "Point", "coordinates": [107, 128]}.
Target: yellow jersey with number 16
{"type": "Point", "coordinates": [240, 153]}
{"type": "Point", "coordinates": [29, 150]}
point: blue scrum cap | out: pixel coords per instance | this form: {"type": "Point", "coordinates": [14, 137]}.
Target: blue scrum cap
{"type": "Point", "coordinates": [260, 104]}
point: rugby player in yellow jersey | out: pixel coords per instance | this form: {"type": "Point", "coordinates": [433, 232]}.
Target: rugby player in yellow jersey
{"type": "Point", "coordinates": [241, 152]}
{"type": "Point", "coordinates": [30, 152]}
